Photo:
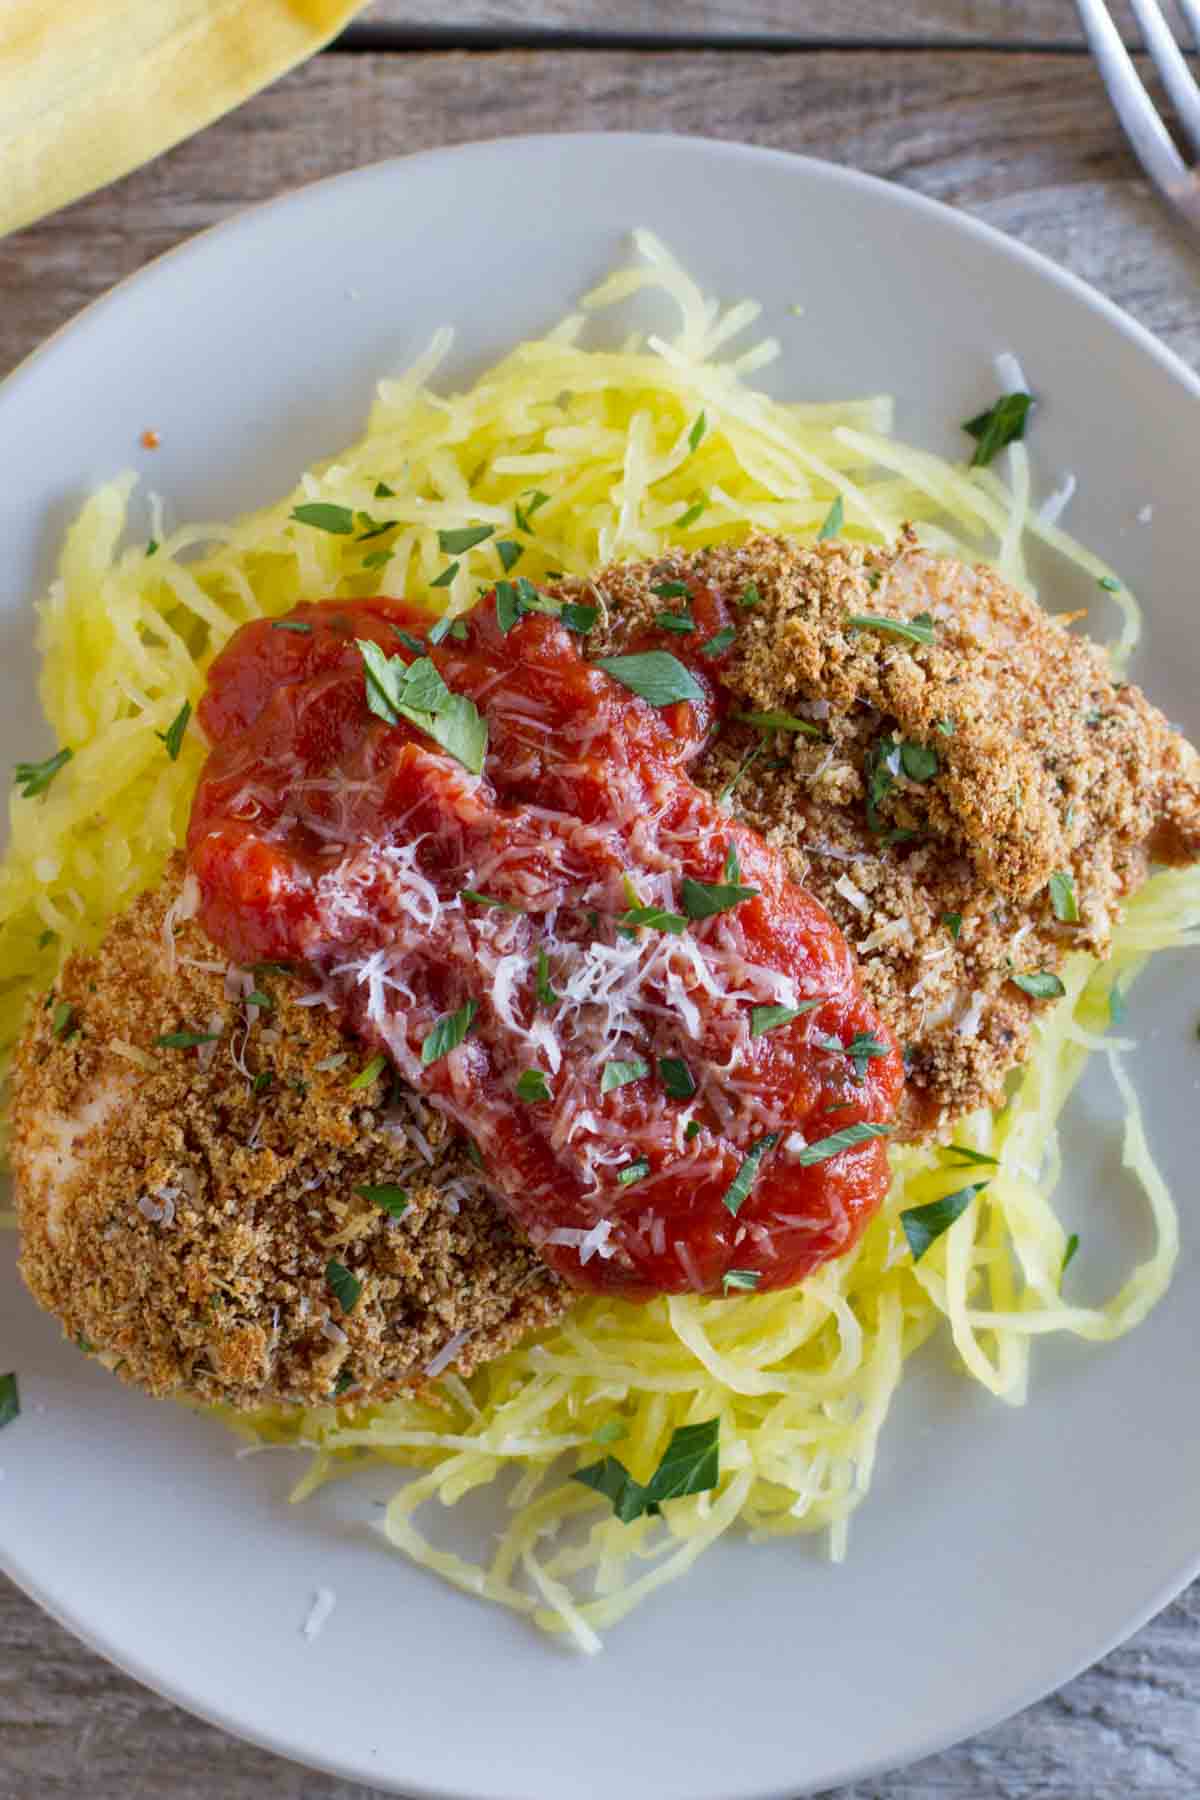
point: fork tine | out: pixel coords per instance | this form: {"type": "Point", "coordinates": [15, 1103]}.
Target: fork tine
{"type": "Point", "coordinates": [1173, 71]}
{"type": "Point", "coordinates": [1132, 104]}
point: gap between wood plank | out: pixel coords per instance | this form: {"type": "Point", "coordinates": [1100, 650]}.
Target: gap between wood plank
{"type": "Point", "coordinates": [376, 39]}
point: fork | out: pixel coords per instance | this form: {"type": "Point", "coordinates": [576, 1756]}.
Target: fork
{"type": "Point", "coordinates": [1153, 145]}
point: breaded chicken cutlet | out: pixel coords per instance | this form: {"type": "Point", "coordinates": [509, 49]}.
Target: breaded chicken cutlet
{"type": "Point", "coordinates": [184, 1206]}
{"type": "Point", "coordinates": [950, 775]}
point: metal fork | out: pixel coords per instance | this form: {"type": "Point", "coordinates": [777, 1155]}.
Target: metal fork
{"type": "Point", "coordinates": [1152, 142]}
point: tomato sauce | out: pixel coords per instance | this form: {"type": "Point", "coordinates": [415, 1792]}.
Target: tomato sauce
{"type": "Point", "coordinates": [631, 1107]}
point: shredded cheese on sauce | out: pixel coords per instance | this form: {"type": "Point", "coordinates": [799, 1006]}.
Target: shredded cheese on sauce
{"type": "Point", "coordinates": [802, 1380]}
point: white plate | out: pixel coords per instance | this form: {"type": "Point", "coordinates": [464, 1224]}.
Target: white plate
{"type": "Point", "coordinates": [1001, 1549]}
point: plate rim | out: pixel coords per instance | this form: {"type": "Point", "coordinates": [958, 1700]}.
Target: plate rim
{"type": "Point", "coordinates": [902, 198]}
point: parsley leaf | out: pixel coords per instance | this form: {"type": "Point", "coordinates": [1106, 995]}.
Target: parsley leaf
{"type": "Point", "coordinates": [367, 1074]}
{"type": "Point", "coordinates": [671, 590]}
{"type": "Point", "coordinates": [532, 1085]}
{"type": "Point", "coordinates": [655, 918]}
{"type": "Point", "coordinates": [735, 1194]}
{"type": "Point", "coordinates": [1040, 983]}
{"type": "Point", "coordinates": [953, 924]}
{"type": "Point", "coordinates": [862, 1049]}
{"type": "Point", "coordinates": [509, 552]}
{"type": "Point", "coordinates": [750, 595]}
{"type": "Point", "coordinates": [447, 575]}
{"type": "Point", "coordinates": [690, 1465]}
{"type": "Point", "coordinates": [654, 676]}
{"type": "Point", "coordinates": [1062, 897]}
{"type": "Point", "coordinates": [447, 1033]}
{"type": "Point", "coordinates": [923, 1225]}
{"type": "Point", "coordinates": [1000, 425]}
{"type": "Point", "coordinates": [185, 1040]}
{"type": "Point", "coordinates": [770, 1018]}
{"type": "Point", "coordinates": [692, 513]}
{"type": "Point", "coordinates": [681, 622]}
{"type": "Point", "coordinates": [918, 631]}
{"type": "Point", "coordinates": [634, 1171]}
{"type": "Point", "coordinates": [692, 1129]}
{"type": "Point", "coordinates": [968, 1158]}
{"type": "Point", "coordinates": [1069, 1254]}
{"type": "Point", "coordinates": [10, 1399]}
{"type": "Point", "coordinates": [35, 778]}
{"type": "Point", "coordinates": [918, 761]}
{"type": "Point", "coordinates": [697, 432]}
{"type": "Point", "coordinates": [676, 1077]}
{"type": "Point", "coordinates": [620, 1074]}
{"type": "Point", "coordinates": [734, 1280]}
{"type": "Point", "coordinates": [751, 756]}
{"type": "Point", "coordinates": [1110, 584]}
{"type": "Point", "coordinates": [545, 993]}
{"type": "Point", "coordinates": [345, 1287]}
{"type": "Point", "coordinates": [720, 641]}
{"type": "Point", "coordinates": [777, 721]}
{"type": "Point", "coordinates": [834, 520]}
{"type": "Point", "coordinates": [64, 1014]}
{"type": "Point", "coordinates": [704, 900]}
{"type": "Point", "coordinates": [337, 519]}
{"type": "Point", "coordinates": [478, 899]}
{"type": "Point", "coordinates": [846, 1139]}
{"type": "Point", "coordinates": [416, 692]}
{"type": "Point", "coordinates": [393, 1199]}
{"type": "Point", "coordinates": [454, 543]}
{"type": "Point", "coordinates": [300, 626]}
{"type": "Point", "coordinates": [578, 618]}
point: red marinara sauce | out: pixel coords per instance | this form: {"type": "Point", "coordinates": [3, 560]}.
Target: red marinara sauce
{"type": "Point", "coordinates": [669, 1149]}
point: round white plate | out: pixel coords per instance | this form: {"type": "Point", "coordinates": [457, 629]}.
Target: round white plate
{"type": "Point", "coordinates": [1001, 1549]}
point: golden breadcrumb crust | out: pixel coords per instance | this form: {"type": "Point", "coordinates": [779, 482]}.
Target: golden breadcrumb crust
{"type": "Point", "coordinates": [1045, 765]}
{"type": "Point", "coordinates": [185, 1233]}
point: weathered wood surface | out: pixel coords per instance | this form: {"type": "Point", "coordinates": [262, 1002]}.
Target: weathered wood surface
{"type": "Point", "coordinates": [825, 21]}
{"type": "Point", "coordinates": [1024, 141]}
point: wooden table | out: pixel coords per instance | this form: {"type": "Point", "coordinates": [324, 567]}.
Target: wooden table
{"type": "Point", "coordinates": [992, 105]}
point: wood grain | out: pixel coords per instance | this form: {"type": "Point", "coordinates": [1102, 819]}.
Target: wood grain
{"type": "Point", "coordinates": [1025, 141]}
{"type": "Point", "coordinates": [817, 21]}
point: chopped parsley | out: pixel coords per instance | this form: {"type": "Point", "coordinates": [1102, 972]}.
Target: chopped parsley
{"type": "Point", "coordinates": [367, 1075]}
{"type": "Point", "coordinates": [671, 590]}
{"type": "Point", "coordinates": [740, 1280]}
{"type": "Point", "coordinates": [736, 1193]}
{"type": "Point", "coordinates": [654, 676]}
{"type": "Point", "coordinates": [697, 432]}
{"type": "Point", "coordinates": [634, 1171]}
{"type": "Point", "coordinates": [63, 1020]}
{"type": "Point", "coordinates": [1062, 897]}
{"type": "Point", "coordinates": [509, 552]}
{"type": "Point", "coordinates": [300, 626]}
{"type": "Point", "coordinates": [152, 547]}
{"type": "Point", "coordinates": [416, 692]}
{"type": "Point", "coordinates": [1111, 585]}
{"type": "Point", "coordinates": [454, 543]}
{"type": "Point", "coordinates": [692, 1129]}
{"type": "Point", "coordinates": [877, 769]}
{"type": "Point", "coordinates": [968, 1158]}
{"type": "Point", "coordinates": [704, 899]}
{"type": "Point", "coordinates": [1069, 1254]}
{"type": "Point", "coordinates": [918, 761]}
{"type": "Point", "coordinates": [262, 1081]}
{"type": "Point", "coordinates": [446, 577]}
{"type": "Point", "coordinates": [1039, 983]}
{"type": "Point", "coordinates": [383, 491]}
{"type": "Point", "coordinates": [447, 1033]}
{"type": "Point", "coordinates": [377, 559]}
{"type": "Point", "coordinates": [953, 924]}
{"type": "Point", "coordinates": [478, 899]}
{"type": "Point", "coordinates": [676, 1077]}
{"type": "Point", "coordinates": [336, 519]}
{"type": "Point", "coordinates": [750, 595]}
{"type": "Point", "coordinates": [750, 757]}
{"type": "Point", "coordinates": [720, 641]}
{"type": "Point", "coordinates": [834, 520]}
{"type": "Point", "coordinates": [692, 513]}
{"type": "Point", "coordinates": [10, 1399]}
{"type": "Point", "coordinates": [690, 1465]}
{"type": "Point", "coordinates": [777, 721]}
{"type": "Point", "coordinates": [393, 1199]}
{"type": "Point", "coordinates": [522, 515]}
{"type": "Point", "coordinates": [532, 1085]}
{"type": "Point", "coordinates": [35, 778]}
{"type": "Point", "coordinates": [578, 618]}
{"type": "Point", "coordinates": [1001, 424]}
{"type": "Point", "coordinates": [770, 1018]}
{"type": "Point", "coordinates": [345, 1287]}
{"type": "Point", "coordinates": [620, 1074]}
{"type": "Point", "coordinates": [185, 1040]}
{"type": "Point", "coordinates": [545, 993]}
{"type": "Point", "coordinates": [918, 631]}
{"type": "Point", "coordinates": [862, 1049]}
{"type": "Point", "coordinates": [945, 726]}
{"type": "Point", "coordinates": [655, 918]}
{"type": "Point", "coordinates": [256, 997]}
{"type": "Point", "coordinates": [681, 622]}
{"type": "Point", "coordinates": [923, 1225]}
{"type": "Point", "coordinates": [846, 1139]}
